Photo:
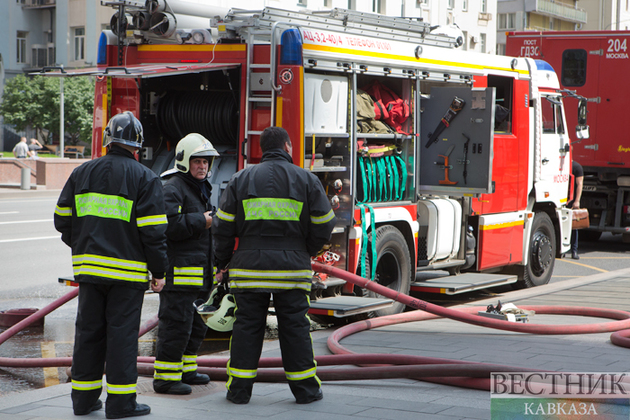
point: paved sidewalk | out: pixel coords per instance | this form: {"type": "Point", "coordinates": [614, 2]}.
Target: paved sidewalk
{"type": "Point", "coordinates": [396, 399]}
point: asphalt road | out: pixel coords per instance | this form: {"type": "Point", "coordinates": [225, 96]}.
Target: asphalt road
{"type": "Point", "coordinates": [32, 258]}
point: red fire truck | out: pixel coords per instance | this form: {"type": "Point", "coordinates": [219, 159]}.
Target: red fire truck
{"type": "Point", "coordinates": [592, 63]}
{"type": "Point", "coordinates": [433, 158]}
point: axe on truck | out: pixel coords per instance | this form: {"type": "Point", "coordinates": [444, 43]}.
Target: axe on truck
{"type": "Point", "coordinates": [451, 113]}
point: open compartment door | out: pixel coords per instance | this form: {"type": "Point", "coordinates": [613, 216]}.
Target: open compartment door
{"type": "Point", "coordinates": [455, 147]}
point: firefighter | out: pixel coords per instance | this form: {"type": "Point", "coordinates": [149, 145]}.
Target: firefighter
{"type": "Point", "coordinates": [282, 217]}
{"type": "Point", "coordinates": [189, 276]}
{"type": "Point", "coordinates": [111, 213]}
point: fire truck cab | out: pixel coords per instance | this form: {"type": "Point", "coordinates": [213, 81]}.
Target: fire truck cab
{"type": "Point", "coordinates": [434, 159]}
{"type": "Point", "coordinates": [592, 64]}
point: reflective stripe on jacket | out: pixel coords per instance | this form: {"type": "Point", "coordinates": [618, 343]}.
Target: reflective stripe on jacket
{"type": "Point", "coordinates": [281, 217]}
{"type": "Point", "coordinates": [111, 213]}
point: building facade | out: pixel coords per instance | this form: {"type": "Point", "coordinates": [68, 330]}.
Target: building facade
{"type": "Point", "coordinates": [538, 15]}
{"type": "Point", "coordinates": [607, 15]}
{"type": "Point", "coordinates": [43, 33]}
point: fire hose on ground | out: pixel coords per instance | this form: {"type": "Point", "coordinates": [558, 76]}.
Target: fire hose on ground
{"type": "Point", "coordinates": [375, 366]}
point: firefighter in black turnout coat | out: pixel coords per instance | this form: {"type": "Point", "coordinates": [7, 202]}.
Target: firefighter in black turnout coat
{"type": "Point", "coordinates": [282, 217]}
{"type": "Point", "coordinates": [111, 213]}
{"type": "Point", "coordinates": [189, 276]}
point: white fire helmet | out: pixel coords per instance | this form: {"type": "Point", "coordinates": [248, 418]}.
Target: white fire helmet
{"type": "Point", "coordinates": [191, 146]}
{"type": "Point", "coordinates": [218, 311]}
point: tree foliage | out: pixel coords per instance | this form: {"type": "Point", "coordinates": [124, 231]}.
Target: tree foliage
{"type": "Point", "coordinates": [34, 101]}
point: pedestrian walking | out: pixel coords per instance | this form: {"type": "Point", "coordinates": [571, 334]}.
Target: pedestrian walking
{"type": "Point", "coordinates": [281, 217]}
{"type": "Point", "coordinates": [111, 214]}
{"type": "Point", "coordinates": [190, 270]}
{"type": "Point", "coordinates": [20, 150]}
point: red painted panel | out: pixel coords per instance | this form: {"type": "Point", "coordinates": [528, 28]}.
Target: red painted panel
{"type": "Point", "coordinates": [99, 119]}
{"type": "Point", "coordinates": [500, 247]}
{"type": "Point", "coordinates": [511, 158]}
{"type": "Point", "coordinates": [605, 78]}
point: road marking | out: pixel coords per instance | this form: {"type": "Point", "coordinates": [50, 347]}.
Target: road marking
{"type": "Point", "coordinates": [26, 221]}
{"type": "Point", "coordinates": [568, 277]}
{"type": "Point", "coordinates": [8, 212]}
{"type": "Point", "coordinates": [606, 258]}
{"type": "Point", "coordinates": [51, 374]}
{"type": "Point", "coordinates": [3, 241]}
{"type": "Point", "coordinates": [584, 265]}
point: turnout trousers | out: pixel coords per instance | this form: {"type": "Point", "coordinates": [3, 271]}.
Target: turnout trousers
{"type": "Point", "coordinates": [295, 343]}
{"type": "Point", "coordinates": [106, 337]}
{"type": "Point", "coordinates": [180, 334]}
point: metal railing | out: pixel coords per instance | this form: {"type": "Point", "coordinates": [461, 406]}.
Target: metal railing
{"type": "Point", "coordinates": [559, 10]}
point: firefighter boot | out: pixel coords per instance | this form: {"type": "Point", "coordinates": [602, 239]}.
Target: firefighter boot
{"type": "Point", "coordinates": [140, 410]}
{"type": "Point", "coordinates": [311, 399]}
{"type": "Point", "coordinates": [96, 406]}
{"type": "Point", "coordinates": [171, 387]}
{"type": "Point", "coordinates": [240, 397]}
{"type": "Point", "coordinates": [194, 378]}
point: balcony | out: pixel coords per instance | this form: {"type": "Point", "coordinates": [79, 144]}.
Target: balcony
{"type": "Point", "coordinates": [556, 10]}
{"type": "Point", "coordinates": [39, 4]}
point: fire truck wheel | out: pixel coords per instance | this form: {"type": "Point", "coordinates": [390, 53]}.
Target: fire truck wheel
{"type": "Point", "coordinates": [393, 267]}
{"type": "Point", "coordinates": [542, 251]}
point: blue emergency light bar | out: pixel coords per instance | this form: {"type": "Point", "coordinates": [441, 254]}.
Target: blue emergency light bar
{"type": "Point", "coordinates": [291, 47]}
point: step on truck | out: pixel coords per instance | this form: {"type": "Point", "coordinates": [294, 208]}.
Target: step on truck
{"type": "Point", "coordinates": [594, 64]}
{"type": "Point", "coordinates": [434, 159]}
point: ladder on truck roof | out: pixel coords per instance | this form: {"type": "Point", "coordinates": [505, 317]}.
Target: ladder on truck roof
{"type": "Point", "coordinates": [339, 20]}
{"type": "Point", "coordinates": [257, 27]}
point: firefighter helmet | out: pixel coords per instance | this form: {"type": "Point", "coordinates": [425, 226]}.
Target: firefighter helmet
{"type": "Point", "coordinates": [218, 311]}
{"type": "Point", "coordinates": [191, 146]}
{"type": "Point", "coordinates": [123, 128]}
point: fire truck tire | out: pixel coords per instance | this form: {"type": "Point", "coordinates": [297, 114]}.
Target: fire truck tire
{"type": "Point", "coordinates": [541, 253]}
{"type": "Point", "coordinates": [393, 267]}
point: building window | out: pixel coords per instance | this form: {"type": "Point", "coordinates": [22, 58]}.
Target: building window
{"type": "Point", "coordinates": [507, 21]}
{"type": "Point", "coordinates": [482, 37]}
{"type": "Point", "coordinates": [451, 4]}
{"type": "Point", "coordinates": [79, 44]}
{"type": "Point", "coordinates": [573, 67]}
{"type": "Point", "coordinates": [511, 21]}
{"type": "Point", "coordinates": [51, 55]}
{"type": "Point", "coordinates": [484, 6]}
{"type": "Point", "coordinates": [378, 6]}
{"type": "Point", "coordinates": [21, 46]}
{"type": "Point", "coordinates": [423, 2]}
{"type": "Point", "coordinates": [464, 5]}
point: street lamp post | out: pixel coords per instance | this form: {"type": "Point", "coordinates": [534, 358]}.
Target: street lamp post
{"type": "Point", "coordinates": [61, 119]}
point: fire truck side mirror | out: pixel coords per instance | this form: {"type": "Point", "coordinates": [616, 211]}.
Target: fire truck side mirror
{"type": "Point", "coordinates": [582, 110]}
{"type": "Point", "coordinates": [582, 130]}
